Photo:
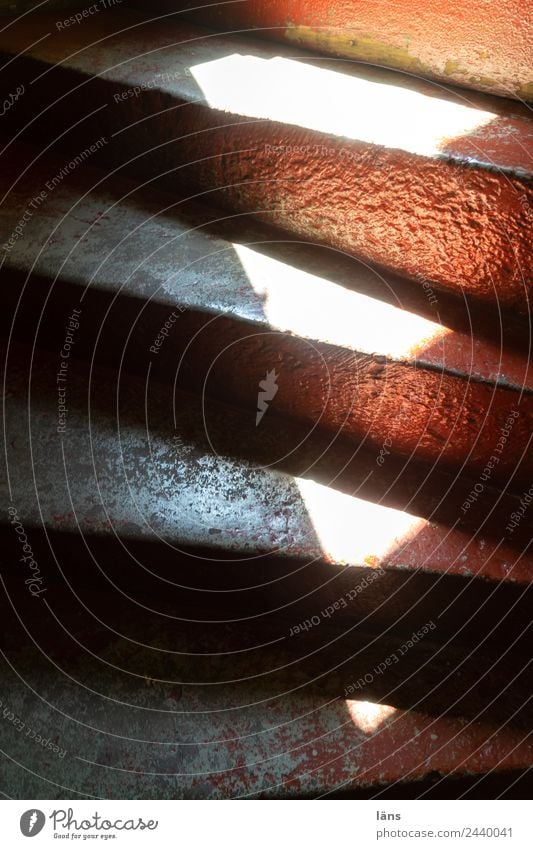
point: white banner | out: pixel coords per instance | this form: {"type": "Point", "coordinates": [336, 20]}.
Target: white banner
{"type": "Point", "coordinates": [260, 824]}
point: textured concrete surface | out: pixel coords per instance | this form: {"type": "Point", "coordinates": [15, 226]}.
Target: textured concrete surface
{"type": "Point", "coordinates": [441, 408]}
{"type": "Point", "coordinates": [479, 44]}
{"type": "Point", "coordinates": [453, 212]}
{"type": "Point", "coordinates": [146, 700]}
{"type": "Point", "coordinates": [145, 246]}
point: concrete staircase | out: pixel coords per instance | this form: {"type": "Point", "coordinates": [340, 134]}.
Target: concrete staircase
{"type": "Point", "coordinates": [268, 408]}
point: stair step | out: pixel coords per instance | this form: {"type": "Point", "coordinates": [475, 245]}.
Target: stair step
{"type": "Point", "coordinates": [139, 469]}
{"type": "Point", "coordinates": [475, 45]}
{"type": "Point", "coordinates": [145, 710]}
{"type": "Point", "coordinates": [419, 183]}
{"type": "Point", "coordinates": [216, 305]}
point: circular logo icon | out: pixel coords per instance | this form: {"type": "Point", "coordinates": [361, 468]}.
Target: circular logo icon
{"type": "Point", "coordinates": [32, 822]}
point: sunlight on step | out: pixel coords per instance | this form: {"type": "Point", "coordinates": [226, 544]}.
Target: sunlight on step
{"type": "Point", "coordinates": [299, 302]}
{"type": "Point", "coordinates": [369, 716]}
{"type": "Point", "coordinates": [351, 530]}
{"type": "Point", "coordinates": [301, 94]}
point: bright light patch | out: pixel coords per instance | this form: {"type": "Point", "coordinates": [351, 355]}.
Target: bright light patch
{"type": "Point", "coordinates": [354, 531]}
{"type": "Point", "coordinates": [331, 102]}
{"type": "Point", "coordinates": [309, 306]}
{"type": "Point", "coordinates": [368, 716]}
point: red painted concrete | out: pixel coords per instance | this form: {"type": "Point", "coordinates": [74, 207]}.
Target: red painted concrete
{"type": "Point", "coordinates": [410, 215]}
{"type": "Point", "coordinates": [482, 45]}
{"type": "Point", "coordinates": [456, 225]}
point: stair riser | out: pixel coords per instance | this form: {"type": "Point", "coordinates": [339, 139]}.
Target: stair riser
{"type": "Point", "coordinates": [309, 604]}
{"type": "Point", "coordinates": [175, 300]}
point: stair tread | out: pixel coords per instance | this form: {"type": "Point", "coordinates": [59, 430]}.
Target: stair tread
{"type": "Point", "coordinates": [356, 194]}
{"type": "Point", "coordinates": [183, 48]}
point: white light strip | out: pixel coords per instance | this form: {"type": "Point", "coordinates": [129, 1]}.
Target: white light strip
{"type": "Point", "coordinates": [352, 531]}
{"type": "Point", "coordinates": [309, 306]}
{"type": "Point", "coordinates": [303, 95]}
